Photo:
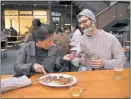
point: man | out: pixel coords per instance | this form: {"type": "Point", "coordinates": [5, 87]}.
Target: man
{"type": "Point", "coordinates": [97, 42]}
{"type": "Point", "coordinates": [76, 37]}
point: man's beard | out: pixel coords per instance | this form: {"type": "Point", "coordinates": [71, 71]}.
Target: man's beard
{"type": "Point", "coordinates": [89, 30]}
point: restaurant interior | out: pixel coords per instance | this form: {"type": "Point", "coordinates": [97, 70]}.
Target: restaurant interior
{"type": "Point", "coordinates": [111, 16]}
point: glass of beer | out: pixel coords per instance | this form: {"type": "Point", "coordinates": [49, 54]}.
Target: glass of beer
{"type": "Point", "coordinates": [75, 92]}
{"type": "Point", "coordinates": [118, 69]}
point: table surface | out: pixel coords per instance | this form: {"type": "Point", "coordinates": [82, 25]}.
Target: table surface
{"type": "Point", "coordinates": [3, 40]}
{"type": "Point", "coordinates": [98, 84]}
{"type": "Point", "coordinates": [14, 36]}
{"type": "Point", "coordinates": [14, 41]}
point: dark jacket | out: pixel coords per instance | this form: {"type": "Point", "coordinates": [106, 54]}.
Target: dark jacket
{"type": "Point", "coordinates": [13, 32]}
{"type": "Point", "coordinates": [26, 59]}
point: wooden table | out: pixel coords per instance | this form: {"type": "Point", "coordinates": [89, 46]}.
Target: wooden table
{"type": "Point", "coordinates": [14, 42]}
{"type": "Point", "coordinates": [14, 36]}
{"type": "Point", "coordinates": [98, 84]}
{"type": "Point", "coordinates": [17, 43]}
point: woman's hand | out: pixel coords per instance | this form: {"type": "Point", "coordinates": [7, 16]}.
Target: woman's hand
{"type": "Point", "coordinates": [39, 68]}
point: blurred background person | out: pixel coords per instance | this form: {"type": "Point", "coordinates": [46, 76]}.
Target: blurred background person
{"type": "Point", "coordinates": [76, 37]}
{"type": "Point", "coordinates": [60, 29]}
{"type": "Point", "coordinates": [35, 23]}
{"type": "Point", "coordinates": [13, 32]}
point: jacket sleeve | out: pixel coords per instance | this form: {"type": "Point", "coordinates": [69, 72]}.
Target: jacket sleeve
{"type": "Point", "coordinates": [21, 66]}
{"type": "Point", "coordinates": [117, 53]}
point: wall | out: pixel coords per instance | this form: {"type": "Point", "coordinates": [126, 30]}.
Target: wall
{"type": "Point", "coordinates": [112, 13]}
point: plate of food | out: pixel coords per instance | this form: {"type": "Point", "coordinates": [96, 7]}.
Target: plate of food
{"type": "Point", "coordinates": [57, 80]}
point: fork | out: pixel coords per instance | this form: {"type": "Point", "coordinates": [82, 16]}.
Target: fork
{"type": "Point", "coordinates": [40, 79]}
{"type": "Point", "coordinates": [47, 75]}
{"type": "Point", "coordinates": [44, 72]}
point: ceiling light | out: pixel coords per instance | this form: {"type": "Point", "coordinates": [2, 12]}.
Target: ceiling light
{"type": "Point", "coordinates": [2, 4]}
{"type": "Point", "coordinates": [35, 5]}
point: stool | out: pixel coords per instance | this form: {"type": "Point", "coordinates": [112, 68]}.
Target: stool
{"type": "Point", "coordinates": [4, 53]}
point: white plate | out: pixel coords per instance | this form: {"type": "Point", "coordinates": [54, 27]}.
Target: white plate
{"type": "Point", "coordinates": [52, 84]}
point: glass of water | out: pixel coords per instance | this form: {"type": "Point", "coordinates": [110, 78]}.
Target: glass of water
{"type": "Point", "coordinates": [118, 69]}
{"type": "Point", "coordinates": [75, 92]}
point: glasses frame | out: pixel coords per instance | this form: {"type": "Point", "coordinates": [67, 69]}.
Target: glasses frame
{"type": "Point", "coordinates": [83, 22]}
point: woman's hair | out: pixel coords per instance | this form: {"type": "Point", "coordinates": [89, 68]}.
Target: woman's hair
{"type": "Point", "coordinates": [42, 32]}
{"type": "Point", "coordinates": [36, 22]}
{"type": "Point", "coordinates": [59, 29]}
{"type": "Point", "coordinates": [39, 31]}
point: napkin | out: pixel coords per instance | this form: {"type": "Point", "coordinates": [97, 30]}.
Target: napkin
{"type": "Point", "coordinates": [14, 83]}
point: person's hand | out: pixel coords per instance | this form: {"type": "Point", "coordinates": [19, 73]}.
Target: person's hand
{"type": "Point", "coordinates": [69, 57]}
{"type": "Point", "coordinates": [96, 63]}
{"type": "Point", "coordinates": [39, 68]}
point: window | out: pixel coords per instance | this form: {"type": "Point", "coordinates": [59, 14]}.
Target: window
{"type": "Point", "coordinates": [39, 12]}
{"type": "Point", "coordinates": [26, 12]}
{"type": "Point", "coordinates": [23, 19]}
{"type": "Point", "coordinates": [11, 12]}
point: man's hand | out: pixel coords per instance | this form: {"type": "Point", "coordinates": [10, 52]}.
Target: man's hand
{"type": "Point", "coordinates": [96, 63]}
{"type": "Point", "coordinates": [39, 68]}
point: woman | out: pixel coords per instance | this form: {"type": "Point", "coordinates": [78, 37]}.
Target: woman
{"type": "Point", "coordinates": [38, 55]}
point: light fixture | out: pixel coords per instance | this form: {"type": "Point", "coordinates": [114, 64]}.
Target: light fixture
{"type": "Point", "coordinates": [35, 5]}
{"type": "Point", "coordinates": [2, 4]}
{"type": "Point", "coordinates": [65, 5]}
{"type": "Point", "coordinates": [67, 24]}
{"type": "Point", "coordinates": [114, 16]}
{"type": "Point", "coordinates": [120, 14]}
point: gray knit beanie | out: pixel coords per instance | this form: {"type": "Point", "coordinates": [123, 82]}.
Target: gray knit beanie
{"type": "Point", "coordinates": [88, 13]}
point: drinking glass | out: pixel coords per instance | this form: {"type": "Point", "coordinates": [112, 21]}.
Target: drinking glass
{"type": "Point", "coordinates": [118, 69]}
{"type": "Point", "coordinates": [75, 92]}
